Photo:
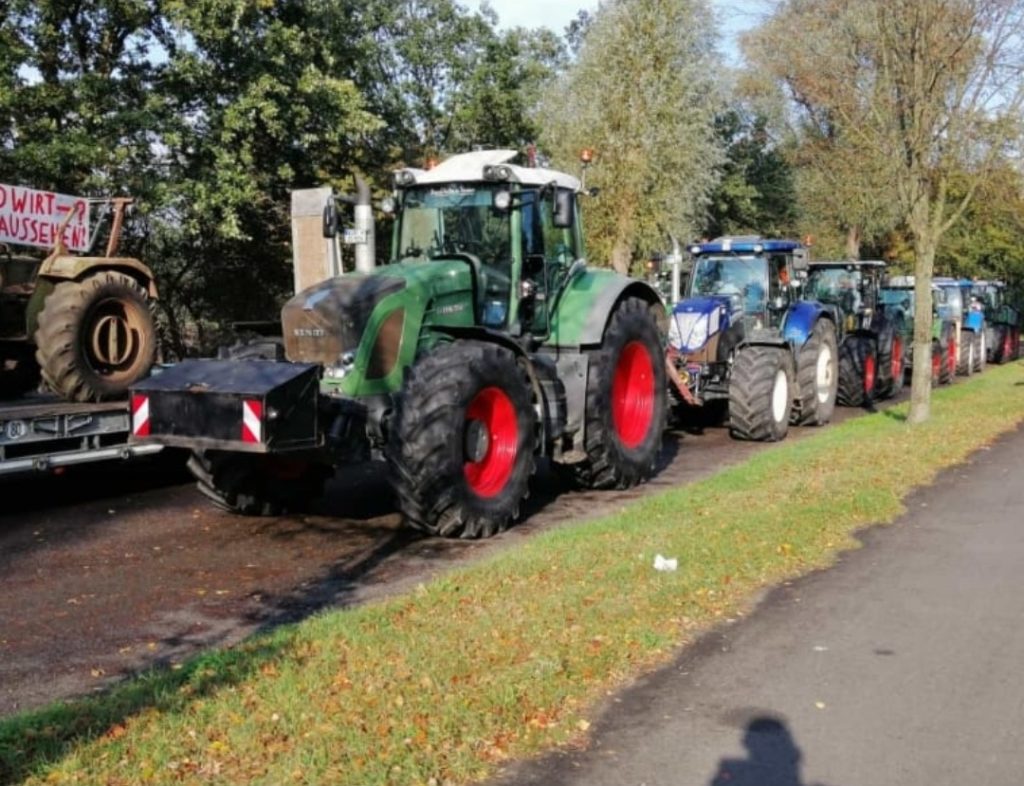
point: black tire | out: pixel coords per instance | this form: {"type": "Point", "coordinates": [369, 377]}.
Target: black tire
{"type": "Point", "coordinates": [626, 401]}
{"type": "Point", "coordinates": [979, 351]}
{"type": "Point", "coordinates": [756, 410]}
{"type": "Point", "coordinates": [858, 367]}
{"type": "Point", "coordinates": [461, 448]}
{"type": "Point", "coordinates": [817, 377]}
{"type": "Point", "coordinates": [947, 353]}
{"type": "Point", "coordinates": [257, 485]}
{"type": "Point", "coordinates": [966, 362]}
{"type": "Point", "coordinates": [892, 362]}
{"type": "Point", "coordinates": [96, 337]}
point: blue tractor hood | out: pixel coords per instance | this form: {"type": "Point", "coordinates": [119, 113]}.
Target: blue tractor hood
{"type": "Point", "coordinates": [695, 320]}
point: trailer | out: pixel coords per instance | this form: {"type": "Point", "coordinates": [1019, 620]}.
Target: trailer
{"type": "Point", "coordinates": [44, 433]}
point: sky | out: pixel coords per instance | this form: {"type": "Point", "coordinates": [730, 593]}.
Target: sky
{"type": "Point", "coordinates": [735, 16]}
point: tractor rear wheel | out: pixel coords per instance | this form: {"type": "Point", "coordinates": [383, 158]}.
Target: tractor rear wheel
{"type": "Point", "coordinates": [892, 364]}
{"type": "Point", "coordinates": [817, 377]}
{"type": "Point", "coordinates": [979, 351]}
{"type": "Point", "coordinates": [947, 370]}
{"type": "Point", "coordinates": [966, 362]}
{"type": "Point", "coordinates": [761, 393]}
{"type": "Point", "coordinates": [258, 485]}
{"type": "Point", "coordinates": [461, 448]}
{"type": "Point", "coordinates": [626, 401]}
{"type": "Point", "coordinates": [858, 366]}
{"type": "Point", "coordinates": [95, 337]}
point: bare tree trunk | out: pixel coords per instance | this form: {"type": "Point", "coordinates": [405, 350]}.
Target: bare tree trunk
{"type": "Point", "coordinates": [924, 266]}
{"type": "Point", "coordinates": [853, 242]}
{"type": "Point", "coordinates": [621, 255]}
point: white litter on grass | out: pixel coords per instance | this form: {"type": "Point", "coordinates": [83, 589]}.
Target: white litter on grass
{"type": "Point", "coordinates": [665, 564]}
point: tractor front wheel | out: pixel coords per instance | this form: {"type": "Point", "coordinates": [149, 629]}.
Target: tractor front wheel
{"type": "Point", "coordinates": [626, 401]}
{"type": "Point", "coordinates": [258, 485]}
{"type": "Point", "coordinates": [817, 377]}
{"type": "Point", "coordinates": [461, 448]}
{"type": "Point", "coordinates": [95, 337]}
{"type": "Point", "coordinates": [760, 393]}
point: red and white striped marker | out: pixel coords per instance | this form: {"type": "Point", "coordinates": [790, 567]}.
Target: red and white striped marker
{"type": "Point", "coordinates": [140, 415]}
{"type": "Point", "coordinates": [252, 420]}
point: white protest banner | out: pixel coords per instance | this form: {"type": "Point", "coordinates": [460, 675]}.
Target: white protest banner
{"type": "Point", "coordinates": [33, 218]}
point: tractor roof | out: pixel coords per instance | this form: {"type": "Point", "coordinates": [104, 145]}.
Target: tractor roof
{"type": "Point", "coordinates": [745, 244]}
{"type": "Point", "coordinates": [849, 263]}
{"type": "Point", "coordinates": [482, 166]}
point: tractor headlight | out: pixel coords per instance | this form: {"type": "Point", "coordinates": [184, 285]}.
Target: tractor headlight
{"type": "Point", "coordinates": [688, 331]}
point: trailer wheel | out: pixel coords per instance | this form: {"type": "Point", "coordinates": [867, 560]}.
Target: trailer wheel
{"type": "Point", "coordinates": [760, 393]}
{"type": "Point", "coordinates": [626, 402]}
{"type": "Point", "coordinates": [817, 377]}
{"type": "Point", "coordinates": [258, 485]}
{"type": "Point", "coordinates": [461, 449]}
{"type": "Point", "coordinates": [857, 371]}
{"type": "Point", "coordinates": [95, 336]}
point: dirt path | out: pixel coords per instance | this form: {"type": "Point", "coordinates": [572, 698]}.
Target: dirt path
{"type": "Point", "coordinates": [112, 569]}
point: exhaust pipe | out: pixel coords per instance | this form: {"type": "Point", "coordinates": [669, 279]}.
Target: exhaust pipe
{"type": "Point", "coordinates": [366, 253]}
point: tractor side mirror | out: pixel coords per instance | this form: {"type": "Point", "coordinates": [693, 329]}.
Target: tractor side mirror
{"type": "Point", "coordinates": [800, 260]}
{"type": "Point", "coordinates": [562, 217]}
{"type": "Point", "coordinates": [330, 219]}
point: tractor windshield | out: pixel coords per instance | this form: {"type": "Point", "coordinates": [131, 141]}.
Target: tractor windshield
{"type": "Point", "coordinates": [904, 298]}
{"type": "Point", "coordinates": [840, 286]}
{"type": "Point", "coordinates": [454, 219]}
{"type": "Point", "coordinates": [745, 279]}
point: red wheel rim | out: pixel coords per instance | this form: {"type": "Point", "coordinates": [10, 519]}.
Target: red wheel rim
{"type": "Point", "coordinates": [1008, 346]}
{"type": "Point", "coordinates": [897, 357]}
{"type": "Point", "coordinates": [633, 394]}
{"type": "Point", "coordinates": [936, 364]}
{"type": "Point", "coordinates": [952, 356]}
{"type": "Point", "coordinates": [869, 374]}
{"type": "Point", "coordinates": [494, 411]}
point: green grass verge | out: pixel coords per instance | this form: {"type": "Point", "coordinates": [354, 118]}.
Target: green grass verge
{"type": "Point", "coordinates": [506, 657]}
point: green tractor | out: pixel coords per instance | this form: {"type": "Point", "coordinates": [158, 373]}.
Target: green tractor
{"type": "Point", "coordinates": [83, 323]}
{"type": "Point", "coordinates": [484, 344]}
{"type": "Point", "coordinates": [898, 293]}
{"type": "Point", "coordinates": [872, 332]}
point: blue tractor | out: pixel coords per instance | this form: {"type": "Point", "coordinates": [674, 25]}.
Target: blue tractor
{"type": "Point", "coordinates": [1002, 320]}
{"type": "Point", "coordinates": [970, 323]}
{"type": "Point", "coordinates": [743, 341]}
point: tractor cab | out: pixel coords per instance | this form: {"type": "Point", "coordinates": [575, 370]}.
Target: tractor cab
{"type": "Point", "coordinates": [852, 287]}
{"type": "Point", "coordinates": [755, 279]}
{"type": "Point", "coordinates": [515, 227]}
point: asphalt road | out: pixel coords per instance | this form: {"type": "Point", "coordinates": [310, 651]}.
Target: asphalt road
{"type": "Point", "coordinates": [903, 665]}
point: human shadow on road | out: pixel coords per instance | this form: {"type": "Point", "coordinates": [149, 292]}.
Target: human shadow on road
{"type": "Point", "coordinates": [773, 758]}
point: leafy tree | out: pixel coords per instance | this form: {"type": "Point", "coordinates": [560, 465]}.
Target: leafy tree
{"type": "Point", "coordinates": [934, 100]}
{"type": "Point", "coordinates": [638, 94]}
{"type": "Point", "coordinates": [756, 193]}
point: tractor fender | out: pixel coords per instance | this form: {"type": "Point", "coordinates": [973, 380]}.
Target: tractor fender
{"type": "Point", "coordinates": [69, 267]}
{"type": "Point", "coordinates": [582, 313]}
{"type": "Point", "coordinates": [66, 267]}
{"type": "Point", "coordinates": [800, 320]}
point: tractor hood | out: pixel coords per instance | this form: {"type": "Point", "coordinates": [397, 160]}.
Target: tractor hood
{"type": "Point", "coordinates": [696, 320]}
{"type": "Point", "coordinates": [329, 319]}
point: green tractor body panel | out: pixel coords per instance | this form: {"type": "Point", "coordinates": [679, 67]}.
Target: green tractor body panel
{"type": "Point", "coordinates": [365, 329]}
{"type": "Point", "coordinates": [580, 315]}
